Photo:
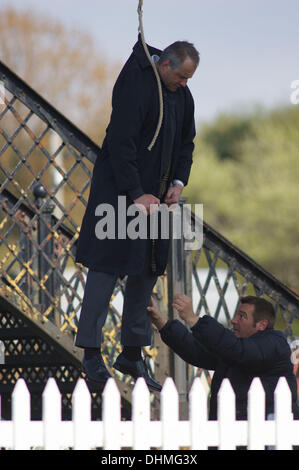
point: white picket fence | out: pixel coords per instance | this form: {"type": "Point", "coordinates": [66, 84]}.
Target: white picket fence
{"type": "Point", "coordinates": [168, 433]}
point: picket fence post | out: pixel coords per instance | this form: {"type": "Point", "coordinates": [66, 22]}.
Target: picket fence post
{"type": "Point", "coordinates": [81, 414]}
{"type": "Point", "coordinates": [141, 415]}
{"type": "Point", "coordinates": [111, 416]}
{"type": "Point", "coordinates": [198, 415]}
{"type": "Point", "coordinates": [283, 415]}
{"type": "Point", "coordinates": [51, 415]}
{"type": "Point", "coordinates": [226, 415]}
{"type": "Point", "coordinates": [21, 416]}
{"type": "Point", "coordinates": [256, 415]}
{"type": "Point", "coordinates": [169, 415]}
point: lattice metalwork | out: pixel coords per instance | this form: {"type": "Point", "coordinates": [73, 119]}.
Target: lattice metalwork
{"type": "Point", "coordinates": [219, 274]}
{"type": "Point", "coordinates": [43, 195]}
{"type": "Point", "coordinates": [45, 177]}
{"type": "Point", "coordinates": [46, 166]}
{"type": "Point", "coordinates": [29, 356]}
{"type": "Point", "coordinates": [45, 171]}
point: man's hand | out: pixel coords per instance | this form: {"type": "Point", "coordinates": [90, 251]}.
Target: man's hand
{"type": "Point", "coordinates": [183, 304]}
{"type": "Point", "coordinates": [173, 194]}
{"type": "Point", "coordinates": [155, 315]}
{"type": "Point", "coordinates": [148, 203]}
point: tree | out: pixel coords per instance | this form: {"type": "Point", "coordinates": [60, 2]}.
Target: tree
{"type": "Point", "coordinates": [253, 199]}
{"type": "Point", "coordinates": [63, 65]}
{"type": "Point", "coordinates": [70, 72]}
{"type": "Point", "coordinates": [226, 134]}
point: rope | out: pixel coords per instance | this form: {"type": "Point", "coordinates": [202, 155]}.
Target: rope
{"type": "Point", "coordinates": [139, 10]}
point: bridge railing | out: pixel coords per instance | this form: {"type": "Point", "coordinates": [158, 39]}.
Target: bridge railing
{"type": "Point", "coordinates": [45, 170]}
{"type": "Point", "coordinates": [216, 275]}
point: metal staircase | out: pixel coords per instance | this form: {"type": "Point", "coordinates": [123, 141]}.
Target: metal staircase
{"type": "Point", "coordinates": [45, 170]}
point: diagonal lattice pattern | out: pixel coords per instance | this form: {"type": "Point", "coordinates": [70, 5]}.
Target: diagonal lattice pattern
{"type": "Point", "coordinates": [43, 198]}
{"type": "Point", "coordinates": [45, 170]}
{"type": "Point", "coordinates": [46, 166]}
{"type": "Point", "coordinates": [44, 191]}
{"type": "Point", "coordinates": [219, 275]}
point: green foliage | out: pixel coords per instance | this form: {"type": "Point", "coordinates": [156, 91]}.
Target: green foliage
{"type": "Point", "coordinates": [252, 196]}
{"type": "Point", "coordinates": [225, 136]}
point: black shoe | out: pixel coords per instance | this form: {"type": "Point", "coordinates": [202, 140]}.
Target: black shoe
{"type": "Point", "coordinates": [95, 369]}
{"type": "Point", "coordinates": [136, 369]}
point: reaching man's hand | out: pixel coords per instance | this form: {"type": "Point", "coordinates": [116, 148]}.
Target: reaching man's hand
{"type": "Point", "coordinates": [155, 315]}
{"type": "Point", "coordinates": [183, 304]}
{"type": "Point", "coordinates": [148, 203]}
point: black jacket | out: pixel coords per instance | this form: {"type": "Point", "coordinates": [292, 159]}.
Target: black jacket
{"type": "Point", "coordinates": [209, 345]}
{"type": "Point", "coordinates": [125, 167]}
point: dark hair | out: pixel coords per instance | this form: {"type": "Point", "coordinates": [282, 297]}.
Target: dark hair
{"type": "Point", "coordinates": [263, 310]}
{"type": "Point", "coordinates": [177, 52]}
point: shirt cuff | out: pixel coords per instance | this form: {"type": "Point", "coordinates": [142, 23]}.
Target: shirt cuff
{"type": "Point", "coordinates": [178, 182]}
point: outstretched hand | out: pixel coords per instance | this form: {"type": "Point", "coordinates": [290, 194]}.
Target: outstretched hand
{"type": "Point", "coordinates": [183, 304]}
{"type": "Point", "coordinates": [157, 319]}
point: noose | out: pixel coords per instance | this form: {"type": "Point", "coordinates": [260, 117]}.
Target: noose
{"type": "Point", "coordinates": [139, 10]}
{"type": "Point", "coordinates": [165, 178]}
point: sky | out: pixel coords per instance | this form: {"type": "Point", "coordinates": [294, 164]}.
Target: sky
{"type": "Point", "coordinates": [249, 48]}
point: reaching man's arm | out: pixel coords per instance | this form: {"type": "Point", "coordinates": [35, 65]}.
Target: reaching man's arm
{"type": "Point", "coordinates": [181, 340]}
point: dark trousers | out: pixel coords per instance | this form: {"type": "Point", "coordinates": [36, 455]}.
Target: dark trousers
{"type": "Point", "coordinates": [136, 329]}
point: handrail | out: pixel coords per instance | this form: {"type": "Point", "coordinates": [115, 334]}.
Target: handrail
{"type": "Point", "coordinates": [70, 133]}
{"type": "Point", "coordinates": [245, 262]}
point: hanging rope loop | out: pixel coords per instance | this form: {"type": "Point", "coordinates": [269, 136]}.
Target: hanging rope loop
{"type": "Point", "coordinates": [139, 10]}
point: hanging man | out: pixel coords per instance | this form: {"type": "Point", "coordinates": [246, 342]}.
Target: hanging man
{"type": "Point", "coordinates": [125, 167]}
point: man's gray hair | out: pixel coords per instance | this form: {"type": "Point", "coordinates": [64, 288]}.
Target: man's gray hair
{"type": "Point", "coordinates": [177, 52]}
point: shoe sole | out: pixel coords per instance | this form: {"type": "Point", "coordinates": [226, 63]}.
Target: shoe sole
{"type": "Point", "coordinates": [126, 371]}
{"type": "Point", "coordinates": [91, 379]}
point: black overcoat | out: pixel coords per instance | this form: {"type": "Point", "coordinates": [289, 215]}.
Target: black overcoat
{"type": "Point", "coordinates": [209, 345]}
{"type": "Point", "coordinates": [125, 167]}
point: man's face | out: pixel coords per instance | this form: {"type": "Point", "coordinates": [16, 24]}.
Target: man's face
{"type": "Point", "coordinates": [176, 78]}
{"type": "Point", "coordinates": [243, 322]}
